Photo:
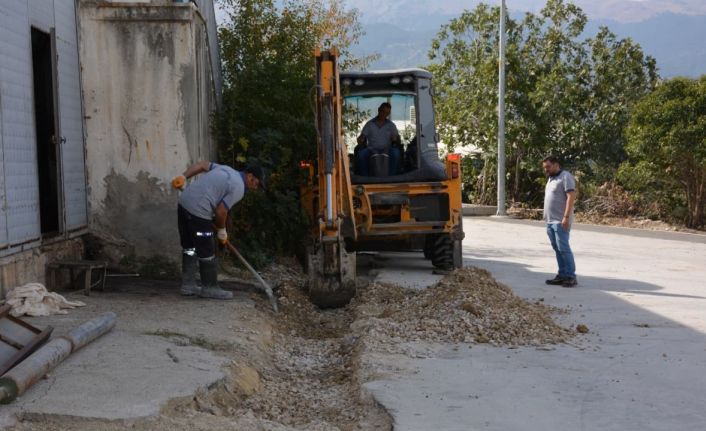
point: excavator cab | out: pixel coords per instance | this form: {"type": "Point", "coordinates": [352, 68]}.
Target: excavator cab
{"type": "Point", "coordinates": [399, 198]}
{"type": "Point", "coordinates": [408, 94]}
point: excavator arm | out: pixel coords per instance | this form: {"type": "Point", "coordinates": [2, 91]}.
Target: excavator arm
{"type": "Point", "coordinates": [331, 269]}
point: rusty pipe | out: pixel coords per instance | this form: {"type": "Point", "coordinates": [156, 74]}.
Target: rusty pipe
{"type": "Point", "coordinates": [28, 372]}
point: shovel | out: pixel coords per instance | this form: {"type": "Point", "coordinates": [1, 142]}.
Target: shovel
{"type": "Point", "coordinates": [268, 289]}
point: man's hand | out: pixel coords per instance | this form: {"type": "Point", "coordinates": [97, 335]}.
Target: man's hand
{"type": "Point", "coordinates": [179, 182]}
{"type": "Point", "coordinates": [222, 236]}
{"type": "Point", "coordinates": [570, 199]}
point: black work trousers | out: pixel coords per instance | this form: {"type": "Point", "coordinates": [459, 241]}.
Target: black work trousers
{"type": "Point", "coordinates": [196, 233]}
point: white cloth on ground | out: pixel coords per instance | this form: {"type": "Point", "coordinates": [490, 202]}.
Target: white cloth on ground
{"type": "Point", "coordinates": [33, 299]}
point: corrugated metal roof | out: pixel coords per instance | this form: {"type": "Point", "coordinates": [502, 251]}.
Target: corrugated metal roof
{"type": "Point", "coordinates": [19, 180]}
{"type": "Point", "coordinates": [19, 147]}
{"type": "Point", "coordinates": [71, 117]}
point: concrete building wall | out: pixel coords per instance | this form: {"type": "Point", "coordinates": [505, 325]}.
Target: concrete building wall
{"type": "Point", "coordinates": [149, 89]}
{"type": "Point", "coordinates": [24, 248]}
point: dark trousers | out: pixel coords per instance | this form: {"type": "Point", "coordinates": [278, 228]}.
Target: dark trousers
{"type": "Point", "coordinates": [363, 158]}
{"type": "Point", "coordinates": [196, 233]}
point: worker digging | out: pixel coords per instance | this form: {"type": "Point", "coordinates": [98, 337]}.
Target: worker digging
{"type": "Point", "coordinates": [203, 204]}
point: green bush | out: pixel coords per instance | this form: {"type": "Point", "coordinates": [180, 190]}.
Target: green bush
{"type": "Point", "coordinates": [658, 199]}
{"type": "Point", "coordinates": [267, 115]}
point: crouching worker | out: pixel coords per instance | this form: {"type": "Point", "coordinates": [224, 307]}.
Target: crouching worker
{"type": "Point", "coordinates": [203, 204]}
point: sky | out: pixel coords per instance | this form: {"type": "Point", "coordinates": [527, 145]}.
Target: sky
{"type": "Point", "coordinates": [618, 10]}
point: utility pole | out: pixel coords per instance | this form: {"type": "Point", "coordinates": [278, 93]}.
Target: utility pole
{"type": "Point", "coordinates": [501, 116]}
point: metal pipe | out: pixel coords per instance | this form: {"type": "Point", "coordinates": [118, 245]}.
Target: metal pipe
{"type": "Point", "coordinates": [501, 115]}
{"type": "Point", "coordinates": [329, 200]}
{"type": "Point", "coordinates": [28, 372]}
{"type": "Point", "coordinates": [91, 330]}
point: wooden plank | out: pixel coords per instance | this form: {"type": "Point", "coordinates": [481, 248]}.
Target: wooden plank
{"type": "Point", "coordinates": [27, 350]}
{"type": "Point", "coordinates": [22, 349]}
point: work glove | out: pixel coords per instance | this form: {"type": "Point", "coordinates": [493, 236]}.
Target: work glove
{"type": "Point", "coordinates": [179, 182]}
{"type": "Point", "coordinates": [222, 236]}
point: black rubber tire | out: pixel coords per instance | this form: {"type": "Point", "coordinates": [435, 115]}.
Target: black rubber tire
{"type": "Point", "coordinates": [442, 255]}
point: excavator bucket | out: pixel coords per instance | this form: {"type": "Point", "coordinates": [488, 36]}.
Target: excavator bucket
{"type": "Point", "coordinates": [331, 271]}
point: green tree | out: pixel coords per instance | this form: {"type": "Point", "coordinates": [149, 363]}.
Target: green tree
{"type": "Point", "coordinates": [667, 142]}
{"type": "Point", "coordinates": [267, 114]}
{"type": "Point", "coordinates": [565, 95]}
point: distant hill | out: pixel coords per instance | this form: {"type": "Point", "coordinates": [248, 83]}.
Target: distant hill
{"type": "Point", "coordinates": [417, 12]}
{"type": "Point", "coordinates": [675, 40]}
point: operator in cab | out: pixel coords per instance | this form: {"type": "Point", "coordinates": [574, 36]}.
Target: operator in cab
{"type": "Point", "coordinates": [379, 136]}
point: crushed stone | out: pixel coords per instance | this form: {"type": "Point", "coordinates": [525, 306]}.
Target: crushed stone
{"type": "Point", "coordinates": [466, 306]}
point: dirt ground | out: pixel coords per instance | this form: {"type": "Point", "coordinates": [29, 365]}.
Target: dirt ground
{"type": "Point", "coordinates": [628, 222]}
{"type": "Point", "coordinates": [301, 369]}
{"type": "Point", "coordinates": [636, 223]}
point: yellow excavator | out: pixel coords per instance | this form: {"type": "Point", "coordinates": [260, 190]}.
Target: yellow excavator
{"type": "Point", "coordinates": [355, 204]}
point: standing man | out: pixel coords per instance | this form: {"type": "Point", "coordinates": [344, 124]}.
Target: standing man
{"type": "Point", "coordinates": [203, 204]}
{"type": "Point", "coordinates": [379, 136]}
{"type": "Point", "coordinates": [559, 198]}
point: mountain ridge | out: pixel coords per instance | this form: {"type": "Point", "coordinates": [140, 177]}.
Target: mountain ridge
{"type": "Point", "coordinates": [674, 40]}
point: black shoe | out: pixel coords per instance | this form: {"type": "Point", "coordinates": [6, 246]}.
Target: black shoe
{"type": "Point", "coordinates": [556, 281]}
{"type": "Point", "coordinates": [569, 282]}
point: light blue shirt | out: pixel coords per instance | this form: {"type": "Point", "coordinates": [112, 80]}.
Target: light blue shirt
{"type": "Point", "coordinates": [221, 184]}
{"type": "Point", "coordinates": [379, 137]}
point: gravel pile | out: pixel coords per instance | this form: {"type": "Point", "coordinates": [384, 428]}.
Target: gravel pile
{"type": "Point", "coordinates": [467, 306]}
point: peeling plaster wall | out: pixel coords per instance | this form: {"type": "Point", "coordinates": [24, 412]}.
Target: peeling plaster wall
{"type": "Point", "coordinates": [148, 94]}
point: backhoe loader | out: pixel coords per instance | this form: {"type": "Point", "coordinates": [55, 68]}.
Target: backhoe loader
{"type": "Point", "coordinates": [414, 205]}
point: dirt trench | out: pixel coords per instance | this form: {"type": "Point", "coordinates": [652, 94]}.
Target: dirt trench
{"type": "Point", "coordinates": [311, 380]}
{"type": "Point", "coordinates": [300, 371]}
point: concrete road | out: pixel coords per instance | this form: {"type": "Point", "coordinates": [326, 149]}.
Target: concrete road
{"type": "Point", "coordinates": [164, 347]}
{"type": "Point", "coordinates": [641, 367]}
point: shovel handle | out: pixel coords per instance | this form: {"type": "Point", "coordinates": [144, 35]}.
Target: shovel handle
{"type": "Point", "coordinates": [268, 289]}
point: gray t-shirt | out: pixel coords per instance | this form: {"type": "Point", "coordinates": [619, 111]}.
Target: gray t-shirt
{"type": "Point", "coordinates": [220, 184]}
{"type": "Point", "coordinates": [555, 197]}
{"type": "Point", "coordinates": [379, 137]}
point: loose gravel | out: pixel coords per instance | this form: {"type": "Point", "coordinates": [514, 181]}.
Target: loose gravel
{"type": "Point", "coordinates": [467, 306]}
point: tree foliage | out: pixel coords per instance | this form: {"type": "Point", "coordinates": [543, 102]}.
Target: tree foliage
{"type": "Point", "coordinates": [267, 115]}
{"type": "Point", "coordinates": [667, 145]}
{"type": "Point", "coordinates": [566, 94]}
